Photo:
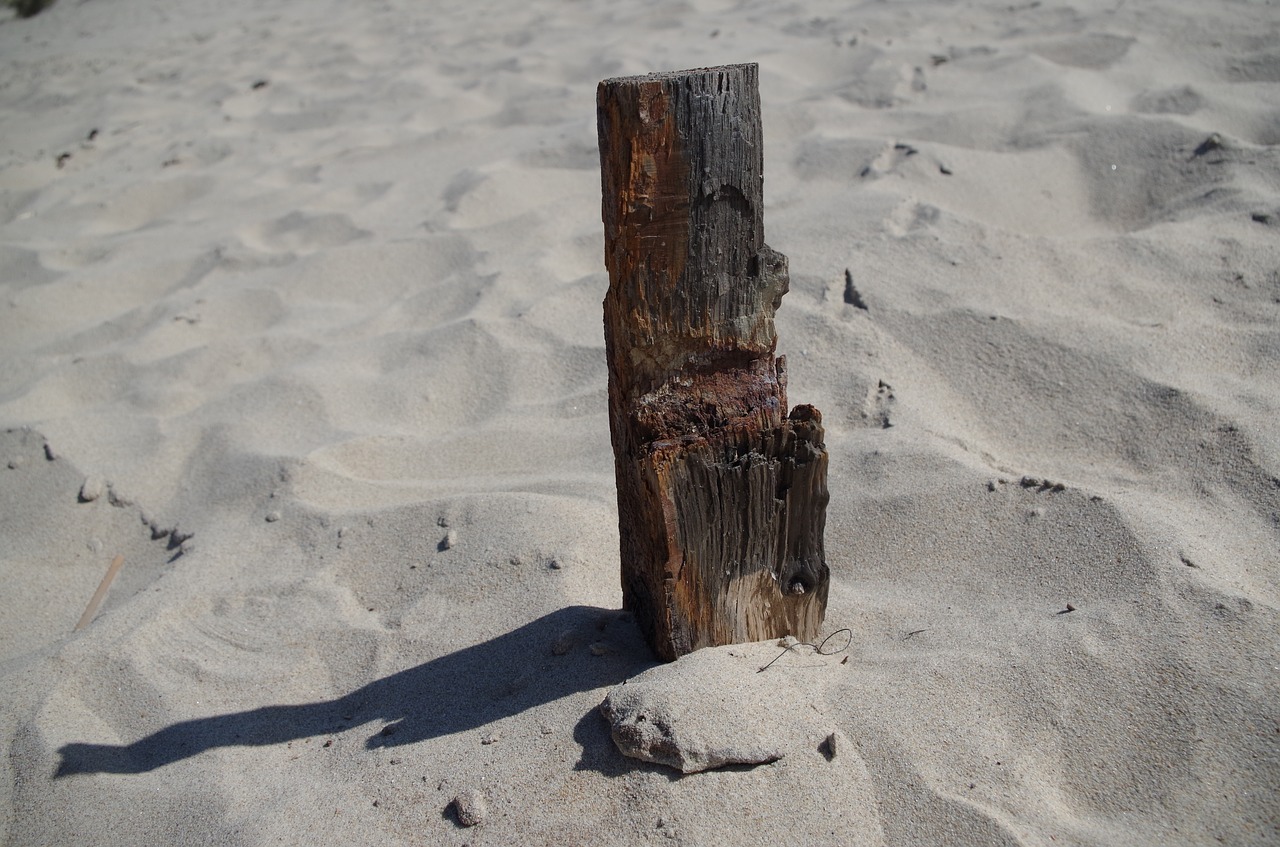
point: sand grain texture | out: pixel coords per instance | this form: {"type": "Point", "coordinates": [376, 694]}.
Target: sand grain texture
{"type": "Point", "coordinates": [340, 265]}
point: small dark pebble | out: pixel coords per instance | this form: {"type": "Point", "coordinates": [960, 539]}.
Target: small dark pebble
{"type": "Point", "coordinates": [260, 84]}
{"type": "Point", "coordinates": [944, 170]}
{"type": "Point", "coordinates": [328, 743]}
{"type": "Point", "coordinates": [62, 160]}
{"type": "Point", "coordinates": [93, 133]}
{"type": "Point", "coordinates": [1261, 218]}
{"type": "Point", "coordinates": [1213, 142]}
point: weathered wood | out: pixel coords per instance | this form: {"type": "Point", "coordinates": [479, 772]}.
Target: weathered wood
{"type": "Point", "coordinates": [721, 495]}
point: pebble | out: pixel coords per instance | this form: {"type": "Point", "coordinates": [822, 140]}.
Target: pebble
{"type": "Point", "coordinates": [92, 489]}
{"type": "Point", "coordinates": [273, 516]}
{"type": "Point", "coordinates": [833, 745]}
{"type": "Point", "coordinates": [470, 808]}
{"type": "Point", "coordinates": [17, 462]}
{"type": "Point", "coordinates": [564, 643]}
{"type": "Point", "coordinates": [490, 738]}
{"type": "Point", "coordinates": [450, 540]}
{"type": "Point", "coordinates": [702, 712]}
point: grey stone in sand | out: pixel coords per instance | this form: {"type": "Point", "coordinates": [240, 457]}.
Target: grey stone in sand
{"type": "Point", "coordinates": [92, 489]}
{"type": "Point", "coordinates": [564, 642]}
{"type": "Point", "coordinates": [709, 709]}
{"type": "Point", "coordinates": [470, 808]}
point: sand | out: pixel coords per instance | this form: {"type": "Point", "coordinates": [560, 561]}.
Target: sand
{"type": "Point", "coordinates": [309, 296]}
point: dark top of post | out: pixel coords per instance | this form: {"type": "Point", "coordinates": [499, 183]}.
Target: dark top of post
{"type": "Point", "coordinates": [681, 160]}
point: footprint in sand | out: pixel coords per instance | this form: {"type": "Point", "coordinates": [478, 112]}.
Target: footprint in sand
{"type": "Point", "coordinates": [1182, 100]}
{"type": "Point", "coordinates": [300, 232]}
{"type": "Point", "coordinates": [149, 202]}
{"type": "Point", "coordinates": [878, 405]}
{"type": "Point", "coordinates": [911, 216]}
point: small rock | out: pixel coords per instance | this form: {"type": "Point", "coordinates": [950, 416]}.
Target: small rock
{"type": "Point", "coordinates": [449, 541]}
{"type": "Point", "coordinates": [1213, 142]}
{"type": "Point", "coordinates": [92, 489]}
{"type": "Point", "coordinates": [564, 642]}
{"type": "Point", "coordinates": [95, 545]}
{"type": "Point", "coordinates": [470, 808]}
{"type": "Point", "coordinates": [704, 711]}
{"type": "Point", "coordinates": [273, 516]}
{"type": "Point", "coordinates": [342, 531]}
{"type": "Point", "coordinates": [833, 745]}
{"type": "Point", "coordinates": [490, 738]}
{"type": "Point", "coordinates": [49, 452]}
{"type": "Point", "coordinates": [17, 462]}
{"type": "Point", "coordinates": [554, 564]}
{"type": "Point", "coordinates": [788, 641]}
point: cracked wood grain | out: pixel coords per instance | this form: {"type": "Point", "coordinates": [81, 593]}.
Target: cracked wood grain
{"type": "Point", "coordinates": [722, 494]}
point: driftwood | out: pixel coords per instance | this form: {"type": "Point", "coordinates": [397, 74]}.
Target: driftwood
{"type": "Point", "coordinates": [721, 494]}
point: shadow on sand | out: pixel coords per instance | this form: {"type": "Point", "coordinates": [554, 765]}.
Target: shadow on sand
{"type": "Point", "coordinates": [454, 693]}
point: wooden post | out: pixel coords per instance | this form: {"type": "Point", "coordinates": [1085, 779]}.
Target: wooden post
{"type": "Point", "coordinates": [721, 495]}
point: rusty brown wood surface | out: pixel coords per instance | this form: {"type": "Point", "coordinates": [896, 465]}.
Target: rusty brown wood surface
{"type": "Point", "coordinates": [722, 495]}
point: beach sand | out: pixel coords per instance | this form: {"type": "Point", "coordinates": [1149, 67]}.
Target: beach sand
{"type": "Point", "coordinates": [300, 313]}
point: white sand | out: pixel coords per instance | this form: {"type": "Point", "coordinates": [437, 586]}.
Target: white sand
{"type": "Point", "coordinates": [321, 323]}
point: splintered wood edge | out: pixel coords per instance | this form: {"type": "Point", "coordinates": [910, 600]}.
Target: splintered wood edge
{"type": "Point", "coordinates": [657, 76]}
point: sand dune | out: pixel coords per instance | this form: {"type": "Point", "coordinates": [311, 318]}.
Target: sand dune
{"type": "Point", "coordinates": [305, 298]}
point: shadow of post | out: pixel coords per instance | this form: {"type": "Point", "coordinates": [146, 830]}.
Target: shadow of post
{"type": "Point", "coordinates": [461, 691]}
